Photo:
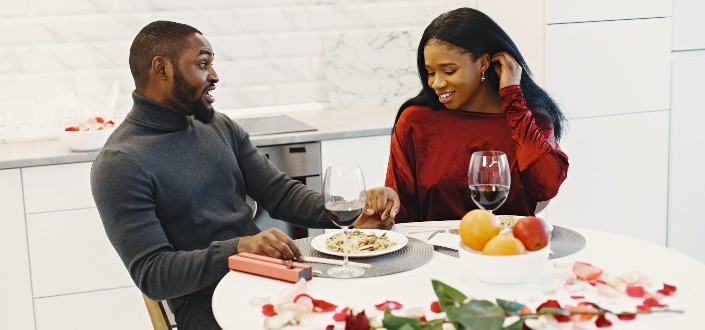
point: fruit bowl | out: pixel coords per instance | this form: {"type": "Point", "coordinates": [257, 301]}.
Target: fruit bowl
{"type": "Point", "coordinates": [503, 269]}
{"type": "Point", "coordinates": [89, 140]}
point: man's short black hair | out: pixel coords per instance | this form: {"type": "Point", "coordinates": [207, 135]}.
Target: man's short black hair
{"type": "Point", "coordinates": [159, 38]}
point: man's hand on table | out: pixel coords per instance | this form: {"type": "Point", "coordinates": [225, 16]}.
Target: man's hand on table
{"type": "Point", "coordinates": [271, 242]}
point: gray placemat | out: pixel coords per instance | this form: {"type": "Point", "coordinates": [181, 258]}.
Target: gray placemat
{"type": "Point", "coordinates": [416, 253]}
{"type": "Point", "coordinates": [564, 242]}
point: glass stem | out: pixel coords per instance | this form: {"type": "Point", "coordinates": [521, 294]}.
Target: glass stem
{"type": "Point", "coordinates": [345, 247]}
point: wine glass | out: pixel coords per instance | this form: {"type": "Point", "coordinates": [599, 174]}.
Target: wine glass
{"type": "Point", "coordinates": [489, 179]}
{"type": "Point", "coordinates": [344, 198]}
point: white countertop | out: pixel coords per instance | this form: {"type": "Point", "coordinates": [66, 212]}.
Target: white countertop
{"type": "Point", "coordinates": [330, 125]}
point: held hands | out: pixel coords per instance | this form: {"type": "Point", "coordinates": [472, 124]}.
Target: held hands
{"type": "Point", "coordinates": [507, 68]}
{"type": "Point", "coordinates": [271, 242]}
{"type": "Point", "coordinates": [381, 207]}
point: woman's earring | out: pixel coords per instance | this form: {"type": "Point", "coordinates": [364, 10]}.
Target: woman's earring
{"type": "Point", "coordinates": [483, 76]}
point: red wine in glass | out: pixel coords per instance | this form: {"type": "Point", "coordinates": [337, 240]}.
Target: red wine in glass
{"type": "Point", "coordinates": [489, 196]}
{"type": "Point", "coordinates": [489, 179]}
{"type": "Point", "coordinates": [344, 213]}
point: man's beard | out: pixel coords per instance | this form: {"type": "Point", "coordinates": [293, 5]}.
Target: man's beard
{"type": "Point", "coordinates": [182, 91]}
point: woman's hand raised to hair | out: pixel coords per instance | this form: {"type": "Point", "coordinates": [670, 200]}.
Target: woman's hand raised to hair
{"type": "Point", "coordinates": [507, 68]}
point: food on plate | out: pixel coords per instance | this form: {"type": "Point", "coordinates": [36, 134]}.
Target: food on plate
{"type": "Point", "coordinates": [477, 227]}
{"type": "Point", "coordinates": [359, 241]}
{"type": "Point", "coordinates": [504, 245]}
{"type": "Point", "coordinates": [508, 221]}
{"type": "Point", "coordinates": [532, 232]}
{"type": "Point", "coordinates": [91, 124]}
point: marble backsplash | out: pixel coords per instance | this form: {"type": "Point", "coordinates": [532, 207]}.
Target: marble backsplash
{"type": "Point", "coordinates": [64, 61]}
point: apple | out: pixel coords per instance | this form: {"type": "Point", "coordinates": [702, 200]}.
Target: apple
{"type": "Point", "coordinates": [532, 232]}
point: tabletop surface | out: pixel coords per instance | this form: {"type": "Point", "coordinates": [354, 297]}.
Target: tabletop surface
{"type": "Point", "coordinates": [615, 254]}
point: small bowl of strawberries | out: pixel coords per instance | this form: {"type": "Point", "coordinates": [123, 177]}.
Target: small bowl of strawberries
{"type": "Point", "coordinates": [89, 135]}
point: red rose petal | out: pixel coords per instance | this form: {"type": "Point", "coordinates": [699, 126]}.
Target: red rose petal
{"type": "Point", "coordinates": [330, 327]}
{"type": "Point", "coordinates": [624, 316]}
{"type": "Point", "coordinates": [585, 271]}
{"type": "Point", "coordinates": [423, 319]}
{"type": "Point", "coordinates": [100, 120]}
{"type": "Point", "coordinates": [652, 302]}
{"type": "Point", "coordinates": [72, 129]}
{"type": "Point", "coordinates": [643, 308]}
{"type": "Point", "coordinates": [357, 321]}
{"type": "Point", "coordinates": [635, 291]}
{"type": "Point", "coordinates": [577, 297]}
{"type": "Point", "coordinates": [319, 306]}
{"type": "Point", "coordinates": [667, 290]}
{"type": "Point", "coordinates": [340, 316]}
{"type": "Point", "coordinates": [391, 305]}
{"type": "Point", "coordinates": [436, 307]}
{"type": "Point", "coordinates": [268, 310]}
{"type": "Point", "coordinates": [602, 322]}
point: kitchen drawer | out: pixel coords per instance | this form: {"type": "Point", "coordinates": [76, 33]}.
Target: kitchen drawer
{"type": "Point", "coordinates": [69, 252]}
{"type": "Point", "coordinates": [618, 176]}
{"type": "Point", "coordinates": [370, 153]}
{"type": "Point", "coordinates": [688, 24]}
{"type": "Point", "coordinates": [15, 285]}
{"type": "Point", "coordinates": [686, 177]}
{"type": "Point", "coordinates": [568, 11]}
{"type": "Point", "coordinates": [117, 309]}
{"type": "Point", "coordinates": [57, 187]}
{"type": "Point", "coordinates": [592, 71]}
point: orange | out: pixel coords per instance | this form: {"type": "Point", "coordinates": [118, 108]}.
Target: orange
{"type": "Point", "coordinates": [477, 227]}
{"type": "Point", "coordinates": [504, 245]}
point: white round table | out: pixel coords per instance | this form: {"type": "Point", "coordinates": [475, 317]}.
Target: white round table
{"type": "Point", "coordinates": [615, 254]}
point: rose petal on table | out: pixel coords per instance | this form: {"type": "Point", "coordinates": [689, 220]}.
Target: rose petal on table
{"type": "Point", "coordinates": [667, 290]}
{"type": "Point", "coordinates": [626, 316]}
{"type": "Point", "coordinates": [585, 271]}
{"type": "Point", "coordinates": [602, 322]}
{"type": "Point", "coordinates": [268, 310]}
{"type": "Point", "coordinates": [340, 316]}
{"type": "Point", "coordinates": [436, 307]}
{"type": "Point", "coordinates": [319, 306]}
{"type": "Point", "coordinates": [391, 305]}
{"type": "Point", "coordinates": [652, 302]}
{"type": "Point", "coordinates": [635, 291]}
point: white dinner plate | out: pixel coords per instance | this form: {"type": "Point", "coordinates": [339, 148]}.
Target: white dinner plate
{"type": "Point", "coordinates": [318, 243]}
{"type": "Point", "coordinates": [548, 224]}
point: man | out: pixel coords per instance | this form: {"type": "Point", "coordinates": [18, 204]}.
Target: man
{"type": "Point", "coordinates": [170, 183]}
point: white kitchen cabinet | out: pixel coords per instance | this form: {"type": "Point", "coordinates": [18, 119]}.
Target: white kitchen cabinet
{"type": "Point", "coordinates": [370, 153]}
{"type": "Point", "coordinates": [527, 32]}
{"type": "Point", "coordinates": [57, 187]}
{"type": "Point", "coordinates": [686, 227]}
{"type": "Point", "coordinates": [70, 253]}
{"type": "Point", "coordinates": [15, 285]}
{"type": "Point", "coordinates": [618, 176]}
{"type": "Point", "coordinates": [688, 24]}
{"type": "Point", "coordinates": [117, 309]}
{"type": "Point", "coordinates": [569, 11]}
{"type": "Point", "coordinates": [608, 68]}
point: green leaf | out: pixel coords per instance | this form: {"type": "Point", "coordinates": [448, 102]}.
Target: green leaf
{"type": "Point", "coordinates": [480, 314]}
{"type": "Point", "coordinates": [447, 295]}
{"type": "Point", "coordinates": [518, 325]}
{"type": "Point", "coordinates": [553, 311]}
{"type": "Point", "coordinates": [436, 324]}
{"type": "Point", "coordinates": [393, 322]}
{"type": "Point", "coordinates": [511, 307]}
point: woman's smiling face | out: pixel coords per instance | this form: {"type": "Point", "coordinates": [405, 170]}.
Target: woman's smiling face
{"type": "Point", "coordinates": [453, 74]}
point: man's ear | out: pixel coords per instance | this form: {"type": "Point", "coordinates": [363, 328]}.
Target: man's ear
{"type": "Point", "coordinates": [161, 68]}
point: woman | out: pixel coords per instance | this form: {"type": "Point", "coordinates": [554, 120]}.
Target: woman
{"type": "Point", "coordinates": [477, 95]}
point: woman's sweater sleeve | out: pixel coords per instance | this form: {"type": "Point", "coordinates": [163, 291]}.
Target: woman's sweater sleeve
{"type": "Point", "coordinates": [401, 174]}
{"type": "Point", "coordinates": [542, 164]}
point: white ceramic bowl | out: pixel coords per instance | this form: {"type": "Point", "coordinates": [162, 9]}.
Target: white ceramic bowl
{"type": "Point", "coordinates": [89, 140]}
{"type": "Point", "coordinates": [503, 269]}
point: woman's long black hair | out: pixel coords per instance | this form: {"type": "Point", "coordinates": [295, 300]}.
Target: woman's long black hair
{"type": "Point", "coordinates": [478, 34]}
